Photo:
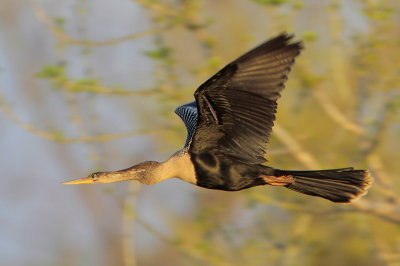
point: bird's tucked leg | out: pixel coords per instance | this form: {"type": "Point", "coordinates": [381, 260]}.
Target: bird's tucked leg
{"type": "Point", "coordinates": [282, 180]}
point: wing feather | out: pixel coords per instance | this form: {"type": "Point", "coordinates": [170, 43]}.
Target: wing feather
{"type": "Point", "coordinates": [237, 106]}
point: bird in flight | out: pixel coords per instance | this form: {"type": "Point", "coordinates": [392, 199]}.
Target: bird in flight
{"type": "Point", "coordinates": [228, 129]}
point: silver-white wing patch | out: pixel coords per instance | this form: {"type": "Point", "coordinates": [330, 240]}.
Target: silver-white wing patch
{"type": "Point", "coordinates": [188, 114]}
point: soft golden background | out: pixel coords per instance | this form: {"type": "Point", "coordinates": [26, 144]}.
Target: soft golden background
{"type": "Point", "coordinates": [91, 85]}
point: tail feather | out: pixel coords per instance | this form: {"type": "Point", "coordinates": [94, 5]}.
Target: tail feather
{"type": "Point", "coordinates": [337, 185]}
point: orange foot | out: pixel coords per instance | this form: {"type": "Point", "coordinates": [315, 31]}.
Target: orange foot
{"type": "Point", "coordinates": [278, 180]}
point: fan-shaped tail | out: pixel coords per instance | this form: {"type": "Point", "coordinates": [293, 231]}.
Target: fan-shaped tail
{"type": "Point", "coordinates": [337, 185]}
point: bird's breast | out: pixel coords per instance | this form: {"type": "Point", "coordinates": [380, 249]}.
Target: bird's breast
{"type": "Point", "coordinates": [217, 171]}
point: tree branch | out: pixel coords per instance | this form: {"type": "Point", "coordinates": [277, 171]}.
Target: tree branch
{"type": "Point", "coordinates": [62, 36]}
{"type": "Point", "coordinates": [59, 137]}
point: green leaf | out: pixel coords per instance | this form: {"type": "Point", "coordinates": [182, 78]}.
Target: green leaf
{"type": "Point", "coordinates": [51, 72]}
{"type": "Point", "coordinates": [298, 5]}
{"type": "Point", "coordinates": [59, 21]}
{"type": "Point", "coordinates": [310, 36]}
{"type": "Point", "coordinates": [213, 63]}
{"type": "Point", "coordinates": [161, 53]}
{"type": "Point", "coordinates": [379, 13]}
{"type": "Point", "coordinates": [87, 82]}
{"type": "Point", "coordinates": [59, 135]}
{"type": "Point", "coordinates": [270, 2]}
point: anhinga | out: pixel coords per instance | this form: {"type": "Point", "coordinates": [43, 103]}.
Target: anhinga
{"type": "Point", "coordinates": [228, 128]}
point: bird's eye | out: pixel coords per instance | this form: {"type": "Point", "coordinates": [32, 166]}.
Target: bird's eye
{"type": "Point", "coordinates": [95, 177]}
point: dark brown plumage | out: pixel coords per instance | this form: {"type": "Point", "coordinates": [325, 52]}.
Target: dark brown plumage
{"type": "Point", "coordinates": [238, 104]}
{"type": "Point", "coordinates": [228, 130]}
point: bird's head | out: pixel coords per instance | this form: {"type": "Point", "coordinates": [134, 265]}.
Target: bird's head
{"type": "Point", "coordinates": [140, 172]}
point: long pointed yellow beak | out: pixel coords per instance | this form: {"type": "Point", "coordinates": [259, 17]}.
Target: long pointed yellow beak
{"type": "Point", "coordinates": [104, 177]}
{"type": "Point", "coordinates": [87, 180]}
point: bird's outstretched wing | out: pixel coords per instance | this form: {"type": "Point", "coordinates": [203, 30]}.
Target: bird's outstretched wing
{"type": "Point", "coordinates": [188, 113]}
{"type": "Point", "coordinates": [237, 105]}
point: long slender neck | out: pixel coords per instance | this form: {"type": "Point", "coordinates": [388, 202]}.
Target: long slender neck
{"type": "Point", "coordinates": [147, 173]}
{"type": "Point", "coordinates": [178, 165]}
{"type": "Point", "coordinates": [154, 174]}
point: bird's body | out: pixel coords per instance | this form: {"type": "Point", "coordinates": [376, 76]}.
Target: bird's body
{"type": "Point", "coordinates": [228, 129]}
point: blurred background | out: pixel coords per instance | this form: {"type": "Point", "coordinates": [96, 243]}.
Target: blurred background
{"type": "Point", "coordinates": [92, 85]}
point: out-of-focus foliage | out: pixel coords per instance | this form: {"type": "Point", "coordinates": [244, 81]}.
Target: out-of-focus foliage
{"type": "Point", "coordinates": [270, 2]}
{"type": "Point", "coordinates": [341, 108]}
